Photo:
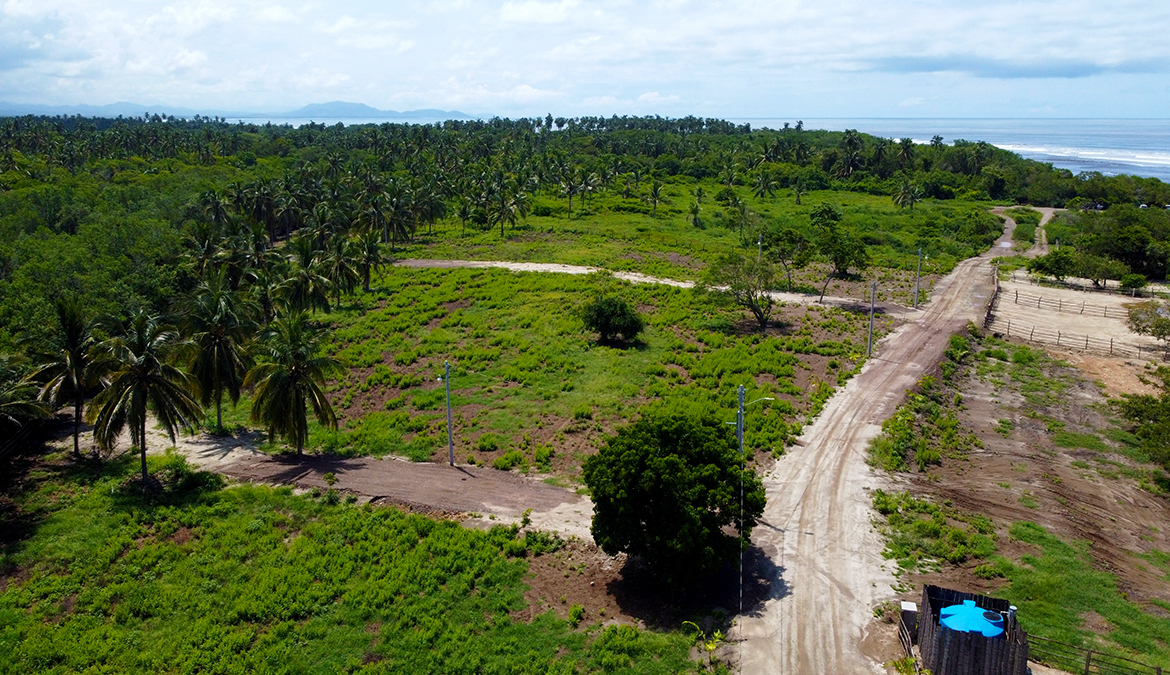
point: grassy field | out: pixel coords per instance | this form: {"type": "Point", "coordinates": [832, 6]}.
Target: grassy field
{"type": "Point", "coordinates": [528, 379]}
{"type": "Point", "coordinates": [621, 234]}
{"type": "Point", "coordinates": [97, 578]}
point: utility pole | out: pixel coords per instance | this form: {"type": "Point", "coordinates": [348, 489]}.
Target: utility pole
{"type": "Point", "coordinates": [760, 247]}
{"type": "Point", "coordinates": [918, 278]}
{"type": "Point", "coordinates": [739, 529]}
{"type": "Point", "coordinates": [450, 442]}
{"type": "Point", "coordinates": [872, 297]}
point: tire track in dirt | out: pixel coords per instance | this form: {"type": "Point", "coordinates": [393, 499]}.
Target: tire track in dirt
{"type": "Point", "coordinates": [817, 523]}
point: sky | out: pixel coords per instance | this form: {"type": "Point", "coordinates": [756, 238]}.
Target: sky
{"type": "Point", "coordinates": [737, 59]}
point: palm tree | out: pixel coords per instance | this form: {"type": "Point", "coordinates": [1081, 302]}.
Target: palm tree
{"type": "Point", "coordinates": [290, 377]}
{"type": "Point", "coordinates": [694, 211]}
{"type": "Point", "coordinates": [798, 190]}
{"type": "Point", "coordinates": [699, 194]}
{"type": "Point", "coordinates": [18, 394]}
{"type": "Point", "coordinates": [339, 269]}
{"type": "Point", "coordinates": [906, 151]}
{"type": "Point", "coordinates": [306, 288]}
{"type": "Point", "coordinates": [65, 362]}
{"type": "Point", "coordinates": [765, 185]}
{"type": "Point", "coordinates": [218, 323]}
{"type": "Point", "coordinates": [907, 195]}
{"type": "Point", "coordinates": [655, 196]}
{"type": "Point", "coordinates": [369, 255]}
{"type": "Point", "coordinates": [134, 366]}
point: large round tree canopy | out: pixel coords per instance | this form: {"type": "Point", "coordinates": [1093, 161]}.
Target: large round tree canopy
{"type": "Point", "coordinates": [667, 488]}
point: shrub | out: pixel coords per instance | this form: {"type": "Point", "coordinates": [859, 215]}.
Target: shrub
{"type": "Point", "coordinates": [509, 460]}
{"type": "Point", "coordinates": [487, 443]}
{"type": "Point", "coordinates": [610, 317]}
{"type": "Point", "coordinates": [576, 615]}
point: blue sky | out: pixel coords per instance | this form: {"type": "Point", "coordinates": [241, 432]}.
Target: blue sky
{"type": "Point", "coordinates": [785, 58]}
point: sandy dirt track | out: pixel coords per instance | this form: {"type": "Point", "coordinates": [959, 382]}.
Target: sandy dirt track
{"type": "Point", "coordinates": [816, 527]}
{"type": "Point", "coordinates": [632, 277]}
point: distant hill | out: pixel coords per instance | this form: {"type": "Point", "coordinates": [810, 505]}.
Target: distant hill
{"type": "Point", "coordinates": [334, 110]}
{"type": "Point", "coordinates": [346, 110]}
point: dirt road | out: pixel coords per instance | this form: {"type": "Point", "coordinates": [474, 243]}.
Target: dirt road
{"type": "Point", "coordinates": [816, 526]}
{"type": "Point", "coordinates": [1040, 243]}
{"type": "Point", "coordinates": [632, 277]}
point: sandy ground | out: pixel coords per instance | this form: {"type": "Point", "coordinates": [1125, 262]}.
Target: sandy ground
{"type": "Point", "coordinates": [1103, 316]}
{"type": "Point", "coordinates": [632, 277]}
{"type": "Point", "coordinates": [817, 524]}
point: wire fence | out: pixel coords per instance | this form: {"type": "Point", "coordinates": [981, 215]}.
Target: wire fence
{"type": "Point", "coordinates": [1075, 659]}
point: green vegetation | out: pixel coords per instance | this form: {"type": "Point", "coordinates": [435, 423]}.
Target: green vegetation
{"type": "Point", "coordinates": [248, 579]}
{"type": "Point", "coordinates": [1149, 419]}
{"type": "Point", "coordinates": [920, 533]}
{"type": "Point", "coordinates": [1110, 244]}
{"type": "Point", "coordinates": [666, 488]}
{"type": "Point", "coordinates": [1027, 220]}
{"type": "Point", "coordinates": [1057, 587]}
{"type": "Point", "coordinates": [925, 428]}
{"type": "Point", "coordinates": [611, 317]}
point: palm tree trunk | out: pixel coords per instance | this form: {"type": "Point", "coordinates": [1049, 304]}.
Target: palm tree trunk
{"type": "Point", "coordinates": [366, 279]}
{"type": "Point", "coordinates": [142, 450]}
{"type": "Point", "coordinates": [76, 426]}
{"type": "Point", "coordinates": [219, 412]}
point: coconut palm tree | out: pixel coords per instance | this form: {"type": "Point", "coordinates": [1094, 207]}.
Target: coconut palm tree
{"type": "Point", "coordinates": [306, 288]}
{"type": "Point", "coordinates": [135, 366]}
{"type": "Point", "coordinates": [694, 211]}
{"type": "Point", "coordinates": [907, 195]}
{"type": "Point", "coordinates": [369, 256]}
{"type": "Point", "coordinates": [798, 189]}
{"type": "Point", "coordinates": [65, 361]}
{"type": "Point", "coordinates": [764, 185]}
{"type": "Point", "coordinates": [906, 151]}
{"type": "Point", "coordinates": [339, 269]}
{"type": "Point", "coordinates": [19, 402]}
{"type": "Point", "coordinates": [290, 376]}
{"type": "Point", "coordinates": [655, 196]}
{"type": "Point", "coordinates": [219, 323]}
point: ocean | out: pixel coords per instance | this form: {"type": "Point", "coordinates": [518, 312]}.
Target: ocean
{"type": "Point", "coordinates": [1140, 147]}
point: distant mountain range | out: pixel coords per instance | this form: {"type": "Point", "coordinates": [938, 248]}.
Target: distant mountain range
{"type": "Point", "coordinates": [334, 110]}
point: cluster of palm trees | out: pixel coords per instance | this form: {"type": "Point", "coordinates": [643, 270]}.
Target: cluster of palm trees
{"type": "Point", "coordinates": [245, 325]}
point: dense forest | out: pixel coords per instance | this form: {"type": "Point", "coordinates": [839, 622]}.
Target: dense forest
{"type": "Point", "coordinates": [158, 214]}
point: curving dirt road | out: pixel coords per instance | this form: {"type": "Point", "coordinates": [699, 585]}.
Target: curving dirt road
{"type": "Point", "coordinates": [816, 527]}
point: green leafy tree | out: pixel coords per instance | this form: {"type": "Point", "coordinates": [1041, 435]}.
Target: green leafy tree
{"type": "Point", "coordinates": [1149, 416]}
{"type": "Point", "coordinates": [1150, 318]}
{"type": "Point", "coordinates": [290, 376]}
{"type": "Point", "coordinates": [666, 489]}
{"type": "Point", "coordinates": [843, 250]}
{"type": "Point", "coordinates": [135, 366]}
{"type": "Point", "coordinates": [609, 316]}
{"type": "Point", "coordinates": [694, 212]}
{"type": "Point", "coordinates": [789, 247]}
{"type": "Point", "coordinates": [306, 287]}
{"type": "Point", "coordinates": [65, 361]}
{"type": "Point", "coordinates": [746, 281]}
{"type": "Point", "coordinates": [1099, 269]}
{"type": "Point", "coordinates": [219, 325]}
{"type": "Point", "coordinates": [1058, 264]}
{"type": "Point", "coordinates": [764, 185]}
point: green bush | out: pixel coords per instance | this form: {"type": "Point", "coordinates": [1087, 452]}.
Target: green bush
{"type": "Point", "coordinates": [576, 615]}
{"type": "Point", "coordinates": [612, 317]}
{"type": "Point", "coordinates": [487, 442]}
{"type": "Point", "coordinates": [510, 460]}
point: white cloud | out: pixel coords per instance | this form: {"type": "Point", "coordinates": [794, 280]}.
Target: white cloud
{"type": "Point", "coordinates": [655, 97]}
{"type": "Point", "coordinates": [721, 57]}
{"type": "Point", "coordinates": [531, 11]}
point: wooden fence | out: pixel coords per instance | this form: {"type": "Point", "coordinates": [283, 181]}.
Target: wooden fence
{"type": "Point", "coordinates": [1085, 661]}
{"type": "Point", "coordinates": [1062, 305]}
{"type": "Point", "coordinates": [1087, 288]}
{"type": "Point", "coordinates": [1075, 341]}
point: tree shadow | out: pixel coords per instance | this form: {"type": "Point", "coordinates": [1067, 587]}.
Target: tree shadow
{"type": "Point", "coordinates": [641, 593]}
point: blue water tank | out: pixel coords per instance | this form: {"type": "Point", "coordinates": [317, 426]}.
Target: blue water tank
{"type": "Point", "coordinates": [971, 619]}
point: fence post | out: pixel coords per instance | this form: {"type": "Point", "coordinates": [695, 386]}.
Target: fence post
{"type": "Point", "coordinates": [1031, 334]}
{"type": "Point", "coordinates": [1111, 346]}
{"type": "Point", "coordinates": [1060, 304]}
{"type": "Point", "coordinates": [1086, 343]}
{"type": "Point", "coordinates": [1057, 338]}
{"type": "Point", "coordinates": [1009, 328]}
{"type": "Point", "coordinates": [1017, 296]}
{"type": "Point", "coordinates": [1088, 660]}
{"type": "Point", "coordinates": [1038, 299]}
{"type": "Point", "coordinates": [1082, 306]}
